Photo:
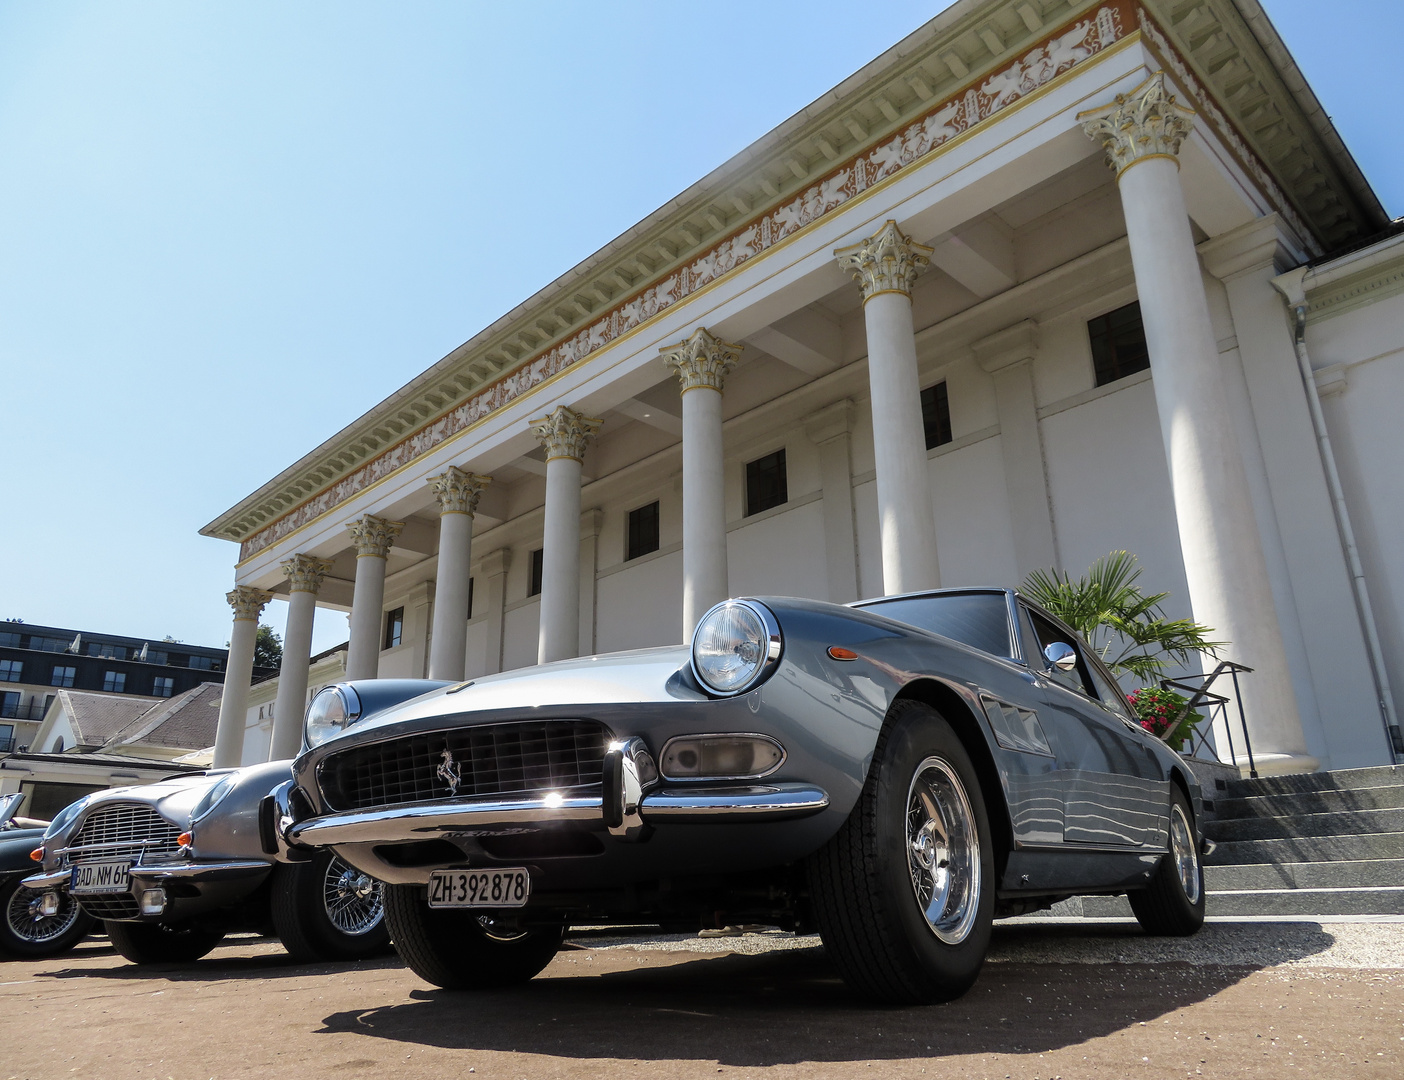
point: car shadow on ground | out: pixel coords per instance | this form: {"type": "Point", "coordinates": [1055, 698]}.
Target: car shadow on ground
{"type": "Point", "coordinates": [223, 963]}
{"type": "Point", "coordinates": [790, 1006]}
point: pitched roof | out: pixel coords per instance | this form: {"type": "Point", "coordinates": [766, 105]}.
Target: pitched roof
{"type": "Point", "coordinates": [96, 717]}
{"type": "Point", "coordinates": [186, 721]}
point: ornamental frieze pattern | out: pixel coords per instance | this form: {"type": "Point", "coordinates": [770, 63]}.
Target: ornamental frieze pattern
{"type": "Point", "coordinates": [1061, 51]}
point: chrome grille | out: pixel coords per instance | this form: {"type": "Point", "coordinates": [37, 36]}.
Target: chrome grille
{"type": "Point", "coordinates": [118, 906]}
{"type": "Point", "coordinates": [497, 759]}
{"type": "Point", "coordinates": [123, 830]}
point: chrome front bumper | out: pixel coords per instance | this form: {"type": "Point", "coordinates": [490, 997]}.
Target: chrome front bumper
{"type": "Point", "coordinates": [197, 872]}
{"type": "Point", "coordinates": [690, 805]}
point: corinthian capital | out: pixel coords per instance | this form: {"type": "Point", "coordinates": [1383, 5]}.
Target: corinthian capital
{"type": "Point", "coordinates": [887, 261]}
{"type": "Point", "coordinates": [701, 361]}
{"type": "Point", "coordinates": [247, 602]}
{"type": "Point", "coordinates": [565, 432]}
{"type": "Point", "coordinates": [373, 536]}
{"type": "Point", "coordinates": [458, 490]}
{"type": "Point", "coordinates": [305, 572]}
{"type": "Point", "coordinates": [1146, 123]}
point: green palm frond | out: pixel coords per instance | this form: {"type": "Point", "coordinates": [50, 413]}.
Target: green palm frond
{"type": "Point", "coordinates": [1126, 627]}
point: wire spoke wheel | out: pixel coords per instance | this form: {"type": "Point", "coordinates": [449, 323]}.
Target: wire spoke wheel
{"type": "Point", "coordinates": [1184, 853]}
{"type": "Point", "coordinates": [943, 851]}
{"type": "Point", "coordinates": [28, 923]}
{"type": "Point", "coordinates": [353, 900]}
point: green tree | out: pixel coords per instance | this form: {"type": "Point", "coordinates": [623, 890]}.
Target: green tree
{"type": "Point", "coordinates": [268, 648]}
{"type": "Point", "coordinates": [1128, 629]}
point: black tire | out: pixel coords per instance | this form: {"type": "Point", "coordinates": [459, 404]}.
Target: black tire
{"type": "Point", "coordinates": [454, 949]}
{"type": "Point", "coordinates": [1173, 904]}
{"type": "Point", "coordinates": [27, 934]}
{"type": "Point", "coordinates": [326, 910]}
{"type": "Point", "coordinates": [159, 943]}
{"type": "Point", "coordinates": [863, 883]}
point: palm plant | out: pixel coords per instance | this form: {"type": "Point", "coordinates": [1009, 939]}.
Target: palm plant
{"type": "Point", "coordinates": [1127, 628]}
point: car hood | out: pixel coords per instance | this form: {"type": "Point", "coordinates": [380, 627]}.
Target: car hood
{"type": "Point", "coordinates": [173, 799]}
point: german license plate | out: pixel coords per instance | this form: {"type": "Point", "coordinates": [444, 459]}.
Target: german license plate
{"type": "Point", "coordinates": [110, 876]}
{"type": "Point", "coordinates": [504, 888]}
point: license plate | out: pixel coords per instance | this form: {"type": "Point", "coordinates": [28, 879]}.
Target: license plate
{"type": "Point", "coordinates": [100, 877]}
{"type": "Point", "coordinates": [505, 888]}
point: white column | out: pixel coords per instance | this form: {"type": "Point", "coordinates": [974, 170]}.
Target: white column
{"type": "Point", "coordinates": [701, 363]}
{"type": "Point", "coordinates": [305, 574]}
{"type": "Point", "coordinates": [1009, 357]}
{"type": "Point", "coordinates": [372, 537]}
{"type": "Point", "coordinates": [458, 492]}
{"type": "Point", "coordinates": [831, 429]}
{"type": "Point", "coordinates": [490, 597]}
{"type": "Point", "coordinates": [885, 266]}
{"type": "Point", "coordinates": [238, 673]}
{"type": "Point", "coordinates": [564, 434]}
{"type": "Point", "coordinates": [1219, 540]}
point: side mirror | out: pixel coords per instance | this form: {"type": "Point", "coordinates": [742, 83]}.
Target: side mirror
{"type": "Point", "coordinates": [1060, 656]}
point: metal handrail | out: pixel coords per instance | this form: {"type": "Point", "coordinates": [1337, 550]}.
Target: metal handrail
{"type": "Point", "coordinates": [1217, 707]}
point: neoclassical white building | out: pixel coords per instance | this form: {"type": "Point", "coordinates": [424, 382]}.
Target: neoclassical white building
{"type": "Point", "coordinates": [1048, 278]}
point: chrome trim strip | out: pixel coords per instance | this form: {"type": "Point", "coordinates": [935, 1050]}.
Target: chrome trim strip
{"type": "Point", "coordinates": [47, 879]}
{"type": "Point", "coordinates": [231, 867]}
{"type": "Point", "coordinates": [714, 805]}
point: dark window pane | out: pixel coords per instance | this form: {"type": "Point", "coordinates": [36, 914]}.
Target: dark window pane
{"type": "Point", "coordinates": [1118, 344]}
{"type": "Point", "coordinates": [534, 587]}
{"type": "Point", "coordinates": [63, 676]}
{"type": "Point", "coordinates": [11, 670]}
{"type": "Point", "coordinates": [394, 627]}
{"type": "Point", "coordinates": [162, 686]}
{"type": "Point", "coordinates": [114, 682]}
{"type": "Point", "coordinates": [765, 483]}
{"type": "Point", "coordinates": [46, 799]}
{"type": "Point", "coordinates": [980, 620]}
{"type": "Point", "coordinates": [643, 531]}
{"type": "Point", "coordinates": [936, 415]}
{"type": "Point", "coordinates": [470, 597]}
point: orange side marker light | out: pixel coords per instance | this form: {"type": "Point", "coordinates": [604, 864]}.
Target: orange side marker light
{"type": "Point", "coordinates": [838, 652]}
{"type": "Point", "coordinates": [37, 854]}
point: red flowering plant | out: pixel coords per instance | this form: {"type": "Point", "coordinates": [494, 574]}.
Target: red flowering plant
{"type": "Point", "coordinates": [1162, 713]}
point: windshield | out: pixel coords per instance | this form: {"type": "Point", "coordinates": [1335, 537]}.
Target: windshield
{"type": "Point", "coordinates": [980, 620]}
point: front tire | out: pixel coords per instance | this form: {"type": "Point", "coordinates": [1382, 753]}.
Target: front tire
{"type": "Point", "coordinates": [326, 910]}
{"type": "Point", "coordinates": [904, 893]}
{"type": "Point", "coordinates": [27, 933]}
{"type": "Point", "coordinates": [1173, 904]}
{"type": "Point", "coordinates": [462, 950]}
{"type": "Point", "coordinates": [159, 943]}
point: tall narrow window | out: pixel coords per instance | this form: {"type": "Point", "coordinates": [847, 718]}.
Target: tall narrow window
{"type": "Point", "coordinates": [534, 586]}
{"type": "Point", "coordinates": [162, 686]}
{"type": "Point", "coordinates": [765, 482]}
{"type": "Point", "coordinates": [114, 682]}
{"type": "Point", "coordinates": [1118, 343]}
{"type": "Point", "coordinates": [643, 531]}
{"type": "Point", "coordinates": [936, 415]}
{"type": "Point", "coordinates": [63, 676]}
{"type": "Point", "coordinates": [470, 597]}
{"type": "Point", "coordinates": [11, 670]}
{"type": "Point", "coordinates": [394, 627]}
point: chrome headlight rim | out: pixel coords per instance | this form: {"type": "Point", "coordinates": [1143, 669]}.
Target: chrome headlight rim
{"type": "Point", "coordinates": [319, 707]}
{"type": "Point", "coordinates": [772, 646]}
{"type": "Point", "coordinates": [213, 796]}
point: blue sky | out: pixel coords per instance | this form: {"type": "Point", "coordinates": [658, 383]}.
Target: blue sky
{"type": "Point", "coordinates": [226, 230]}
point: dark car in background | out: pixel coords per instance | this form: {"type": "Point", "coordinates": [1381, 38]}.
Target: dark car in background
{"type": "Point", "coordinates": [893, 774]}
{"type": "Point", "coordinates": [34, 924]}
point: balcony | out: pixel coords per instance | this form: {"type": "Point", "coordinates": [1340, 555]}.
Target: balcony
{"type": "Point", "coordinates": [14, 710]}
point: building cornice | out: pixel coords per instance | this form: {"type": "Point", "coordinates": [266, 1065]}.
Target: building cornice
{"type": "Point", "coordinates": [1353, 280]}
{"type": "Point", "coordinates": [961, 69]}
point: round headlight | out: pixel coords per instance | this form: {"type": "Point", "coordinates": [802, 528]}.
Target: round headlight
{"type": "Point", "coordinates": [331, 711]}
{"type": "Point", "coordinates": [734, 646]}
{"type": "Point", "coordinates": [210, 799]}
{"type": "Point", "coordinates": [64, 817]}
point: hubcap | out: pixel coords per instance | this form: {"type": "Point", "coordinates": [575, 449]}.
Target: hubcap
{"type": "Point", "coordinates": [1183, 851]}
{"type": "Point", "coordinates": [943, 851]}
{"type": "Point", "coordinates": [28, 923]}
{"type": "Point", "coordinates": [353, 900]}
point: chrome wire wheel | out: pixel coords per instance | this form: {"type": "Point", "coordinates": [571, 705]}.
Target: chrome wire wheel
{"type": "Point", "coordinates": [943, 850]}
{"type": "Point", "coordinates": [353, 900]}
{"type": "Point", "coordinates": [29, 924]}
{"type": "Point", "coordinates": [498, 929]}
{"type": "Point", "coordinates": [1184, 853]}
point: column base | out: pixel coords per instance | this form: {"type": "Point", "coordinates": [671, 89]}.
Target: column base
{"type": "Point", "coordinates": [1271, 764]}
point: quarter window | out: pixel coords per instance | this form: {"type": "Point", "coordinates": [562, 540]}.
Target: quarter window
{"type": "Point", "coordinates": [114, 681]}
{"type": "Point", "coordinates": [63, 676]}
{"type": "Point", "coordinates": [643, 531]}
{"type": "Point", "coordinates": [10, 670]}
{"type": "Point", "coordinates": [1046, 634]}
{"type": "Point", "coordinates": [394, 627]}
{"type": "Point", "coordinates": [936, 415]}
{"type": "Point", "coordinates": [765, 483]}
{"type": "Point", "coordinates": [1118, 344]}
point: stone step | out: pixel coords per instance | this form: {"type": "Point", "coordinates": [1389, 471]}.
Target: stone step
{"type": "Point", "coordinates": [1346, 901]}
{"type": "Point", "coordinates": [1340, 779]}
{"type": "Point", "coordinates": [1266, 877]}
{"type": "Point", "coordinates": [1386, 797]}
{"type": "Point", "coordinates": [1307, 825]}
{"type": "Point", "coordinates": [1305, 849]}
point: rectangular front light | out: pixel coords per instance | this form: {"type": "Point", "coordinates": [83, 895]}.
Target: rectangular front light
{"type": "Point", "coordinates": [721, 757]}
{"type": "Point", "coordinates": [153, 901]}
{"type": "Point", "coordinates": [49, 904]}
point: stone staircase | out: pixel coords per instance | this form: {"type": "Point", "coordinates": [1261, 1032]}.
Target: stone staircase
{"type": "Point", "coordinates": [1308, 844]}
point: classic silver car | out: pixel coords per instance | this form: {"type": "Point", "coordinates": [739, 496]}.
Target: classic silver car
{"type": "Point", "coordinates": [893, 774]}
{"type": "Point", "coordinates": [172, 867]}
